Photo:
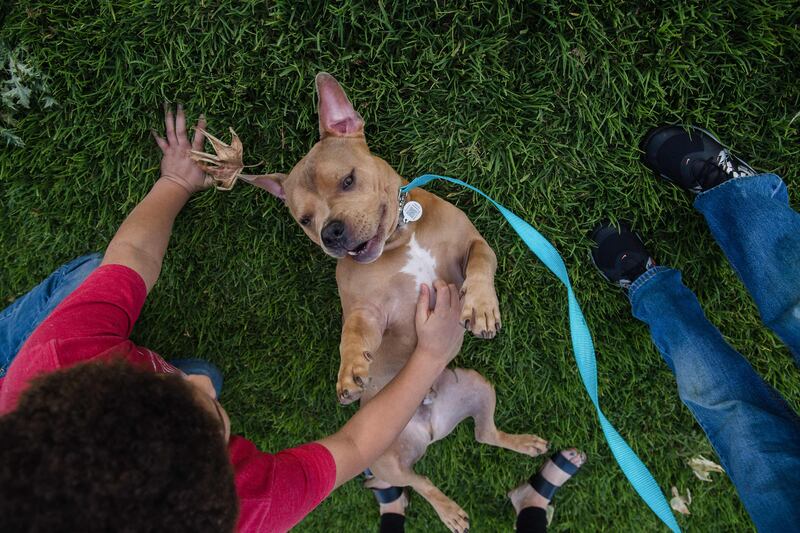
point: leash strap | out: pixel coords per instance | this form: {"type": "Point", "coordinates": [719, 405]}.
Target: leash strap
{"type": "Point", "coordinates": [633, 468]}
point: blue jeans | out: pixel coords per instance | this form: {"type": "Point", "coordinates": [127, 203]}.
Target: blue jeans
{"type": "Point", "coordinates": [754, 431]}
{"type": "Point", "coordinates": [18, 321]}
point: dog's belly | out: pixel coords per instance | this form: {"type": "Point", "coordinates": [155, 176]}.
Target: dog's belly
{"type": "Point", "coordinates": [413, 265]}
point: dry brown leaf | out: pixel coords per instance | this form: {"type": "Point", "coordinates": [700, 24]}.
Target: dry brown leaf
{"type": "Point", "coordinates": [225, 165]}
{"type": "Point", "coordinates": [680, 503]}
{"type": "Point", "coordinates": [702, 467]}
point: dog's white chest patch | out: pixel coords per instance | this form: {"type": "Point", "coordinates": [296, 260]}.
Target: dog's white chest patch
{"type": "Point", "coordinates": [421, 264]}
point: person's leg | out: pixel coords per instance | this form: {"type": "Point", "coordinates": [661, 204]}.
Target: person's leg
{"type": "Point", "coordinates": [748, 214]}
{"type": "Point", "coordinates": [532, 520]}
{"type": "Point", "coordinates": [392, 523]}
{"type": "Point", "coordinates": [392, 502]}
{"type": "Point", "coordinates": [18, 320]}
{"type": "Point", "coordinates": [531, 498]}
{"type": "Point", "coordinates": [759, 232]}
{"type": "Point", "coordinates": [754, 431]}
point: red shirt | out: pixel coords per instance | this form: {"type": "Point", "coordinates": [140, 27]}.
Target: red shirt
{"type": "Point", "coordinates": [93, 323]}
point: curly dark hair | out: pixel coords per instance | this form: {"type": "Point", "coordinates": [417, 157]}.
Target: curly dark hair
{"type": "Point", "coordinates": [110, 447]}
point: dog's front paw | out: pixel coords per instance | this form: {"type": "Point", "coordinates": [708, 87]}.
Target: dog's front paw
{"type": "Point", "coordinates": [353, 376]}
{"type": "Point", "coordinates": [481, 311]}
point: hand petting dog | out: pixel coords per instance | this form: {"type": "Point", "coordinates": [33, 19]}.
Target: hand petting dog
{"type": "Point", "coordinates": [376, 425]}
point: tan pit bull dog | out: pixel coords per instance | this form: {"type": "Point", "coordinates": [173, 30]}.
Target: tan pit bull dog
{"type": "Point", "coordinates": [346, 200]}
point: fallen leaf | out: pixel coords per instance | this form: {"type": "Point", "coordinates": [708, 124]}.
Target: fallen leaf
{"type": "Point", "coordinates": [702, 467]}
{"type": "Point", "coordinates": [225, 165]}
{"type": "Point", "coordinates": [680, 503]}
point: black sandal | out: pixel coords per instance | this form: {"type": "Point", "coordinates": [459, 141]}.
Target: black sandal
{"type": "Point", "coordinates": [546, 489]}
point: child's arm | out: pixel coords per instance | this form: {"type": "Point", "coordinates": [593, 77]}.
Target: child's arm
{"type": "Point", "coordinates": [141, 240]}
{"type": "Point", "coordinates": [377, 424]}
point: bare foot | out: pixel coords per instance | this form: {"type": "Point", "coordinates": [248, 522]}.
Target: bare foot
{"type": "Point", "coordinates": [525, 496]}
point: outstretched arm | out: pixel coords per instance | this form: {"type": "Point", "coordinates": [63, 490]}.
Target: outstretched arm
{"type": "Point", "coordinates": [141, 240]}
{"type": "Point", "coordinates": [377, 424]}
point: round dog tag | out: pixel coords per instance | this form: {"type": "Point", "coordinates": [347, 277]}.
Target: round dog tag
{"type": "Point", "coordinates": [412, 211]}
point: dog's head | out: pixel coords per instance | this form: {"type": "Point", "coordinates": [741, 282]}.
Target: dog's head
{"type": "Point", "coordinates": [343, 197]}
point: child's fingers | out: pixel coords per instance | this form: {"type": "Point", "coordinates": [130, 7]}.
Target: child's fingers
{"type": "Point", "coordinates": [180, 126]}
{"type": "Point", "coordinates": [197, 142]}
{"type": "Point", "coordinates": [161, 142]}
{"type": "Point", "coordinates": [169, 121]}
{"type": "Point", "coordinates": [442, 297]}
{"type": "Point", "coordinates": [423, 303]}
{"type": "Point", "coordinates": [455, 299]}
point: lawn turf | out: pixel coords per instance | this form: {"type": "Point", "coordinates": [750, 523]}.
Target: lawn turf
{"type": "Point", "coordinates": [541, 105]}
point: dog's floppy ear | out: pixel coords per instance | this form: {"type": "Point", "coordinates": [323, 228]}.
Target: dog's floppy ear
{"type": "Point", "coordinates": [273, 183]}
{"type": "Point", "coordinates": [336, 114]}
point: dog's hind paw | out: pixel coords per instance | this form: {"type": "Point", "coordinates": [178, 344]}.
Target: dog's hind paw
{"type": "Point", "coordinates": [525, 444]}
{"type": "Point", "coordinates": [452, 515]}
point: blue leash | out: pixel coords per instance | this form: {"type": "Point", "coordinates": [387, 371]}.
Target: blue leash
{"type": "Point", "coordinates": [633, 468]}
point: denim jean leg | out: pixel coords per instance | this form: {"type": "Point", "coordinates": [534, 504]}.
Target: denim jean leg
{"type": "Point", "coordinates": [760, 234]}
{"type": "Point", "coordinates": [18, 320]}
{"type": "Point", "coordinates": [753, 430]}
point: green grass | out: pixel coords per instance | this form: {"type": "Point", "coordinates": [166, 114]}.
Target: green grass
{"type": "Point", "coordinates": [541, 105]}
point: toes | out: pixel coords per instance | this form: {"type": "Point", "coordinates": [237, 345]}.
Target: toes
{"type": "Point", "coordinates": [575, 456]}
{"type": "Point", "coordinates": [481, 324]}
{"type": "Point", "coordinates": [480, 313]}
{"type": "Point", "coordinates": [535, 446]}
{"type": "Point", "coordinates": [541, 445]}
{"type": "Point", "coordinates": [349, 389]}
{"type": "Point", "coordinates": [579, 459]}
{"type": "Point", "coordinates": [467, 316]}
{"type": "Point", "coordinates": [458, 523]}
{"type": "Point", "coordinates": [484, 327]}
{"type": "Point", "coordinates": [530, 445]}
{"type": "Point", "coordinates": [454, 518]}
{"type": "Point", "coordinates": [353, 377]}
{"type": "Point", "coordinates": [347, 395]}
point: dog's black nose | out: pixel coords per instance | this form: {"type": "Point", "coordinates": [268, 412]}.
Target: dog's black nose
{"type": "Point", "coordinates": [333, 234]}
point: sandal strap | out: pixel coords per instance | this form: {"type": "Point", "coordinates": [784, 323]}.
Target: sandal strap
{"type": "Point", "coordinates": [564, 464]}
{"type": "Point", "coordinates": [542, 486]}
{"type": "Point", "coordinates": [387, 495]}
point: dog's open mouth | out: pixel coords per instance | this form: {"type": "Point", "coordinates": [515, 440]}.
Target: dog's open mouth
{"type": "Point", "coordinates": [361, 248]}
{"type": "Point", "coordinates": [371, 249]}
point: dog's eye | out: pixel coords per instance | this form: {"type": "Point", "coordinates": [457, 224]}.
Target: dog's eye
{"type": "Point", "coordinates": [348, 181]}
{"type": "Point", "coordinates": [305, 219]}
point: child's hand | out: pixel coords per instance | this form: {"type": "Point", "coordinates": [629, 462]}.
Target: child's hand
{"type": "Point", "coordinates": [439, 332]}
{"type": "Point", "coordinates": [176, 165]}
